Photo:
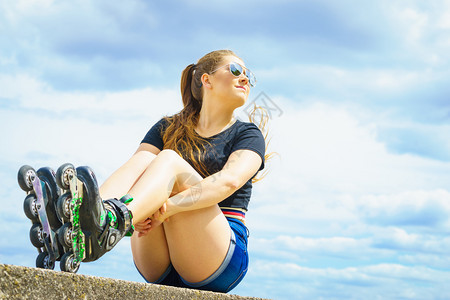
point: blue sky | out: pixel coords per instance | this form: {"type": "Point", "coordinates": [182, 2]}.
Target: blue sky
{"type": "Point", "coordinates": [357, 203]}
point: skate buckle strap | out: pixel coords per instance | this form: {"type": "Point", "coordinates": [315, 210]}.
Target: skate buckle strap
{"type": "Point", "coordinates": [112, 235]}
{"type": "Point", "coordinates": [125, 214]}
{"type": "Point", "coordinates": [126, 199]}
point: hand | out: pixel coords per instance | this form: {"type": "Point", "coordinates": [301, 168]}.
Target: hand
{"type": "Point", "coordinates": [143, 227]}
{"type": "Point", "coordinates": [160, 216]}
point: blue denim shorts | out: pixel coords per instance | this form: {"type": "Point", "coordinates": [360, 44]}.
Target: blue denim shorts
{"type": "Point", "coordinates": [228, 275]}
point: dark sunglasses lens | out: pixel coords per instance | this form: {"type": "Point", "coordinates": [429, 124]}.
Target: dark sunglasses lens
{"type": "Point", "coordinates": [235, 69]}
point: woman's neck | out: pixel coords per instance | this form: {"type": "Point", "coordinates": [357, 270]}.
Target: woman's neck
{"type": "Point", "coordinates": [213, 119]}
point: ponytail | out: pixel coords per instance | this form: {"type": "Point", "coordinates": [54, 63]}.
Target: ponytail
{"type": "Point", "coordinates": [180, 134]}
{"type": "Point", "coordinates": [187, 87]}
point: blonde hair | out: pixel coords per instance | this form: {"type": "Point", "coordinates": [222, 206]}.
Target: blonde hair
{"type": "Point", "coordinates": [262, 124]}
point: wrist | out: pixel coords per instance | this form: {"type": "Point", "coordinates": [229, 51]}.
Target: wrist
{"type": "Point", "coordinates": [172, 208]}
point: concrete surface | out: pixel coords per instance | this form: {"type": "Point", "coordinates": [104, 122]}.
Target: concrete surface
{"type": "Point", "coordinates": [32, 283]}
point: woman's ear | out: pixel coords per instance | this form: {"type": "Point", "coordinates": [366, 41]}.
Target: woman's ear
{"type": "Point", "coordinates": [206, 82]}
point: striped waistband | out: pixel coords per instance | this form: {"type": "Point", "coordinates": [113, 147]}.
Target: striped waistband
{"type": "Point", "coordinates": [237, 213]}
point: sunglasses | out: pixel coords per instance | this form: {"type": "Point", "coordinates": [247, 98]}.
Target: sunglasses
{"type": "Point", "coordinates": [236, 69]}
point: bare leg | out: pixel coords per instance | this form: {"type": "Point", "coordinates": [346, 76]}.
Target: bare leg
{"type": "Point", "coordinates": [153, 246]}
{"type": "Point", "coordinates": [151, 253]}
{"type": "Point", "coordinates": [121, 181]}
{"type": "Point", "coordinates": [166, 172]}
{"type": "Point", "coordinates": [196, 242]}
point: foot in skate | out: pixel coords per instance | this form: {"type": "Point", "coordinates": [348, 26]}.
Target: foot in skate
{"type": "Point", "coordinates": [92, 227]}
{"type": "Point", "coordinates": [40, 207]}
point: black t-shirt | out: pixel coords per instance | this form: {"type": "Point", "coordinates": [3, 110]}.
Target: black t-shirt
{"type": "Point", "coordinates": [240, 135]}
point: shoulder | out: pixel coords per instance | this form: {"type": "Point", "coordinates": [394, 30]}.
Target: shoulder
{"type": "Point", "coordinates": [161, 125]}
{"type": "Point", "coordinates": [247, 128]}
{"type": "Point", "coordinates": [164, 122]}
{"type": "Point", "coordinates": [248, 133]}
{"type": "Point", "coordinates": [249, 137]}
{"type": "Point", "coordinates": [155, 134]}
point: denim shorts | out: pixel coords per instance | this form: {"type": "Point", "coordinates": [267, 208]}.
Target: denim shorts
{"type": "Point", "coordinates": [228, 275]}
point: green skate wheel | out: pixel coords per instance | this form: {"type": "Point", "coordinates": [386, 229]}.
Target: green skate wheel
{"type": "Point", "coordinates": [43, 261]}
{"type": "Point", "coordinates": [37, 235]}
{"type": "Point", "coordinates": [25, 177]}
{"type": "Point", "coordinates": [63, 175]}
{"type": "Point", "coordinates": [29, 207]}
{"type": "Point", "coordinates": [65, 235]}
{"type": "Point", "coordinates": [63, 206]}
{"type": "Point", "coordinates": [68, 263]}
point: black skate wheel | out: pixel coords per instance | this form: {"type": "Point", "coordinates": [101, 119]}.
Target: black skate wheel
{"type": "Point", "coordinates": [43, 261]}
{"type": "Point", "coordinates": [29, 207]}
{"type": "Point", "coordinates": [68, 263]}
{"type": "Point", "coordinates": [25, 177]}
{"type": "Point", "coordinates": [65, 235]}
{"type": "Point", "coordinates": [37, 235]}
{"type": "Point", "coordinates": [63, 206]}
{"type": "Point", "coordinates": [62, 175]}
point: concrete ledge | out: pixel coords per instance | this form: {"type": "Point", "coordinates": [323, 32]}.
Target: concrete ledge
{"type": "Point", "coordinates": [33, 283]}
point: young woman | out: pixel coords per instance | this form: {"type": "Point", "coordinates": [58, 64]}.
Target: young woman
{"type": "Point", "coordinates": [191, 181]}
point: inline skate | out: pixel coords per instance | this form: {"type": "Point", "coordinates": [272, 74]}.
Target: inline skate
{"type": "Point", "coordinates": [91, 226]}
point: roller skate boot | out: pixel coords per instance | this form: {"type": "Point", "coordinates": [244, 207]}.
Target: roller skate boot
{"type": "Point", "coordinates": [40, 207]}
{"type": "Point", "coordinates": [92, 227]}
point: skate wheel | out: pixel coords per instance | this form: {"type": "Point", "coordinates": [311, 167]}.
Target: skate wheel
{"type": "Point", "coordinates": [65, 235]}
{"type": "Point", "coordinates": [68, 263]}
{"type": "Point", "coordinates": [25, 177]}
{"type": "Point", "coordinates": [63, 206]}
{"type": "Point", "coordinates": [37, 235]}
{"type": "Point", "coordinates": [43, 261]}
{"type": "Point", "coordinates": [62, 175]}
{"type": "Point", "coordinates": [30, 209]}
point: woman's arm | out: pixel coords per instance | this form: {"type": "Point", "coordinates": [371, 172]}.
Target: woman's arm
{"type": "Point", "coordinates": [240, 167]}
{"type": "Point", "coordinates": [121, 181]}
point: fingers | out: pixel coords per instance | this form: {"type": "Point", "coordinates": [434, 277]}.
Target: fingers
{"type": "Point", "coordinates": [144, 223]}
{"type": "Point", "coordinates": [144, 226]}
{"type": "Point", "coordinates": [163, 209]}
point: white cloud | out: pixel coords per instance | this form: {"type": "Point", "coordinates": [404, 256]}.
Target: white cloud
{"type": "Point", "coordinates": [336, 148]}
{"type": "Point", "coordinates": [437, 261]}
{"type": "Point", "coordinates": [426, 140]}
{"type": "Point", "coordinates": [413, 208]}
{"type": "Point", "coordinates": [317, 250]}
{"type": "Point", "coordinates": [381, 281]}
{"type": "Point", "coordinates": [415, 21]}
{"type": "Point", "coordinates": [422, 29]}
{"type": "Point", "coordinates": [336, 196]}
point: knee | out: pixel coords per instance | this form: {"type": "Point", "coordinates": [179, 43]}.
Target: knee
{"type": "Point", "coordinates": [144, 157]}
{"type": "Point", "coordinates": [169, 154]}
